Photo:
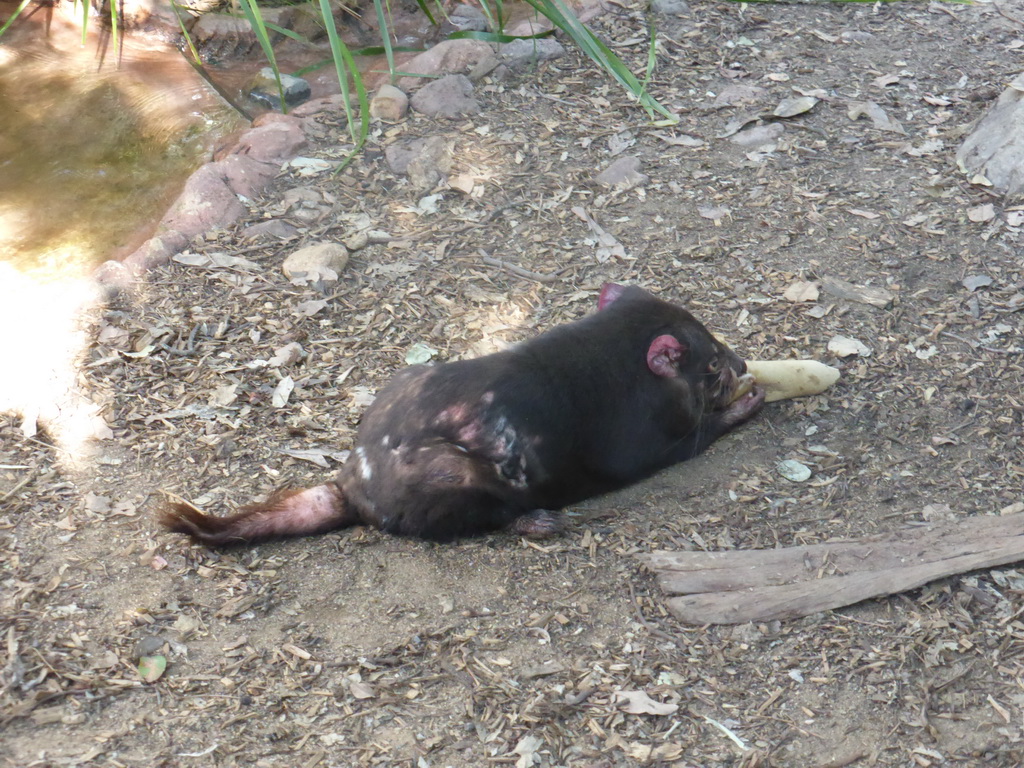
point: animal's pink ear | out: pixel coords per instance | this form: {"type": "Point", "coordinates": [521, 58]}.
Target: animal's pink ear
{"type": "Point", "coordinates": [609, 293]}
{"type": "Point", "coordinates": [665, 354]}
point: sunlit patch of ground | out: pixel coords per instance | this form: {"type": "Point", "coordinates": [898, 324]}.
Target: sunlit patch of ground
{"type": "Point", "coordinates": [42, 337]}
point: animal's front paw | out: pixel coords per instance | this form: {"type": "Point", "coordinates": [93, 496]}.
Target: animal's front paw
{"type": "Point", "coordinates": [537, 525]}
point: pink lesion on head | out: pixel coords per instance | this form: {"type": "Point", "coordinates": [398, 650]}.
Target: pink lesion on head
{"type": "Point", "coordinates": [609, 293]}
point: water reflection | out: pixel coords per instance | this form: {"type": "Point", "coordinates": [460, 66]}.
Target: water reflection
{"type": "Point", "coordinates": [92, 152]}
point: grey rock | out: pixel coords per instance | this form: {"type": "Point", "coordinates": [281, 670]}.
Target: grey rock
{"type": "Point", "coordinates": [264, 89]}
{"type": "Point", "coordinates": [624, 173]}
{"type": "Point", "coordinates": [670, 7]}
{"type": "Point", "coordinates": [758, 135]}
{"type": "Point", "coordinates": [449, 96]}
{"type": "Point", "coordinates": [271, 228]}
{"type": "Point", "coordinates": [520, 54]}
{"type": "Point", "coordinates": [424, 161]}
{"type": "Point", "coordinates": [468, 17]}
{"type": "Point", "coordinates": [995, 148]}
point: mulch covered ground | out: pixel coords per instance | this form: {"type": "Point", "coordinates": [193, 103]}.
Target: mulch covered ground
{"type": "Point", "coordinates": [359, 649]}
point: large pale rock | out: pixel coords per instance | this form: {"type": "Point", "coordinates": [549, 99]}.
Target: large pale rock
{"type": "Point", "coordinates": [451, 96]}
{"type": "Point", "coordinates": [448, 57]}
{"type": "Point", "coordinates": [315, 261]}
{"type": "Point", "coordinates": [995, 148]}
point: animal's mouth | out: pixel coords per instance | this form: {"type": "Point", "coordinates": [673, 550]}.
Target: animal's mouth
{"type": "Point", "coordinates": [742, 385]}
{"type": "Point", "coordinates": [727, 386]}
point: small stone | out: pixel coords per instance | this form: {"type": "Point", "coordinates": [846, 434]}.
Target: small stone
{"type": "Point", "coordinates": [845, 346]}
{"type": "Point", "coordinates": [389, 104]}
{"type": "Point", "coordinates": [314, 260]}
{"type": "Point", "coordinates": [271, 228]}
{"type": "Point", "coordinates": [468, 17]}
{"type": "Point", "coordinates": [624, 173]}
{"type": "Point", "coordinates": [758, 135]}
{"type": "Point", "coordinates": [670, 7]}
{"type": "Point", "coordinates": [264, 89]}
{"type": "Point", "coordinates": [520, 54]}
{"type": "Point", "coordinates": [449, 96]}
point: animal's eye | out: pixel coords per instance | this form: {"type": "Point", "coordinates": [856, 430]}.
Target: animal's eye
{"type": "Point", "coordinates": [715, 365]}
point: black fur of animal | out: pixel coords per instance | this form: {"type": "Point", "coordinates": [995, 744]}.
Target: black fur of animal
{"type": "Point", "coordinates": [505, 440]}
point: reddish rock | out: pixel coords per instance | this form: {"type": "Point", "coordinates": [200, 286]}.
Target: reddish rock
{"type": "Point", "coordinates": [118, 275]}
{"type": "Point", "coordinates": [335, 103]}
{"type": "Point", "coordinates": [449, 57]}
{"type": "Point", "coordinates": [273, 139]}
{"type": "Point", "coordinates": [247, 176]}
{"type": "Point", "coordinates": [206, 202]}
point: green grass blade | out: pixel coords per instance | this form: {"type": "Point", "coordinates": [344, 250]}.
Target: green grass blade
{"type": "Point", "coordinates": [385, 36]}
{"type": "Point", "coordinates": [286, 32]}
{"type": "Point", "coordinates": [599, 53]}
{"type": "Point", "coordinates": [17, 12]}
{"type": "Point", "coordinates": [496, 37]}
{"type": "Point", "coordinates": [184, 33]}
{"type": "Point", "coordinates": [115, 32]}
{"type": "Point", "coordinates": [259, 28]}
{"type": "Point", "coordinates": [85, 20]}
{"type": "Point", "coordinates": [426, 11]}
{"type": "Point", "coordinates": [345, 64]}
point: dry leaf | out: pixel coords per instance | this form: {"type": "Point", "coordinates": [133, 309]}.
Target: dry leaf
{"type": "Point", "coordinates": [982, 213]}
{"type": "Point", "coordinates": [844, 346]}
{"type": "Point", "coordinates": [286, 355]}
{"type": "Point", "coordinates": [795, 105]}
{"type": "Point", "coordinates": [282, 392]}
{"type": "Point", "coordinates": [362, 690]}
{"type": "Point", "coordinates": [527, 750]}
{"type": "Point", "coordinates": [801, 291]}
{"type": "Point", "coordinates": [639, 703]}
{"type": "Point", "coordinates": [310, 308]}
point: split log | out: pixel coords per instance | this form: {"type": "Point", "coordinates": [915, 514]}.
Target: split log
{"type": "Point", "coordinates": [758, 585]}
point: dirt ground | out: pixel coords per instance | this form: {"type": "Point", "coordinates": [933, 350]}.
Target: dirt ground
{"type": "Point", "coordinates": [356, 648]}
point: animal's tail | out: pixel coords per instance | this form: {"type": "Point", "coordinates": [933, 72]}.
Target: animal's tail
{"type": "Point", "coordinates": [295, 512]}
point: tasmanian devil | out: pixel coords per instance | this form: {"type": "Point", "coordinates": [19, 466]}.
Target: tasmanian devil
{"type": "Point", "coordinates": [505, 440]}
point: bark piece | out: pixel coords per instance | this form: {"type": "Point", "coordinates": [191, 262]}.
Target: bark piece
{"type": "Point", "coordinates": [759, 585]}
{"type": "Point", "coordinates": [876, 297]}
